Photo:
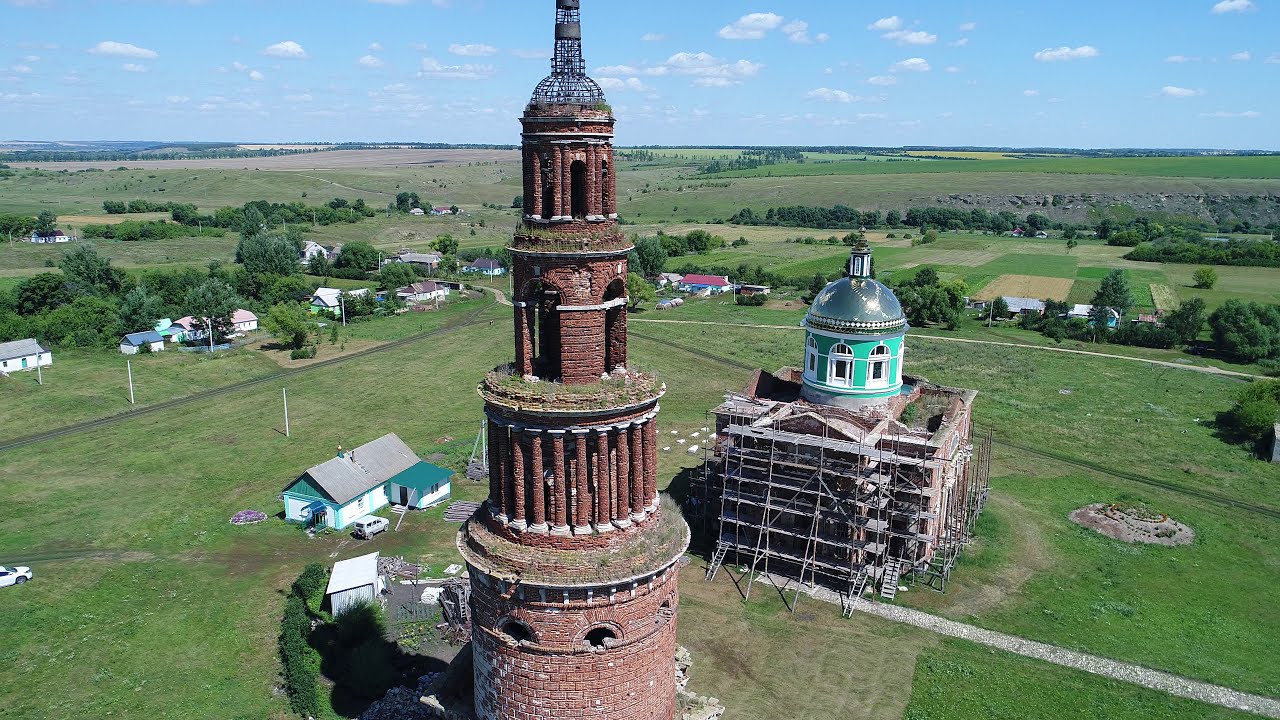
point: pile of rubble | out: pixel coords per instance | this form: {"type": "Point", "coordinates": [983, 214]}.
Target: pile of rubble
{"type": "Point", "coordinates": [403, 703]}
{"type": "Point", "coordinates": [695, 707]}
{"type": "Point", "coordinates": [396, 567]}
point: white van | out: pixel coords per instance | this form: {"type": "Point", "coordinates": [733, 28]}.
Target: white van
{"type": "Point", "coordinates": [369, 525]}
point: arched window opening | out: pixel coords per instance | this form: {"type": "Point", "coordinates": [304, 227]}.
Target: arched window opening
{"type": "Point", "coordinates": [878, 375]}
{"type": "Point", "coordinates": [840, 370]}
{"type": "Point", "coordinates": [546, 334]}
{"type": "Point", "coordinates": [516, 631]}
{"type": "Point", "coordinates": [601, 638]}
{"type": "Point", "coordinates": [665, 613]}
{"type": "Point", "coordinates": [578, 172]}
{"type": "Point", "coordinates": [615, 327]}
{"type": "Point", "coordinates": [548, 191]}
{"type": "Point", "coordinates": [604, 187]}
{"type": "Point", "coordinates": [813, 355]}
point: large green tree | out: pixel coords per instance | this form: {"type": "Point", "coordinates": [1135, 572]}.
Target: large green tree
{"type": "Point", "coordinates": [396, 275]}
{"type": "Point", "coordinates": [1186, 322]}
{"type": "Point", "coordinates": [268, 254]}
{"type": "Point", "coordinates": [1246, 331]}
{"type": "Point", "coordinates": [140, 310]}
{"type": "Point", "coordinates": [13, 225]}
{"type": "Point", "coordinates": [42, 292]}
{"type": "Point", "coordinates": [649, 258]}
{"type": "Point", "coordinates": [358, 255]}
{"type": "Point", "coordinates": [639, 291]}
{"type": "Point", "coordinates": [1115, 292]}
{"type": "Point", "coordinates": [90, 272]}
{"type": "Point", "coordinates": [46, 221]}
{"type": "Point", "coordinates": [290, 324]}
{"type": "Point", "coordinates": [211, 304]}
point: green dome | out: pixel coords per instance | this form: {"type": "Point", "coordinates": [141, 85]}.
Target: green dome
{"type": "Point", "coordinates": [856, 305]}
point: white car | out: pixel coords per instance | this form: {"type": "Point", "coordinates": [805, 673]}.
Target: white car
{"type": "Point", "coordinates": [14, 575]}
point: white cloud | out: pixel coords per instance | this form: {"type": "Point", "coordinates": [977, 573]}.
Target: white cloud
{"type": "Point", "coordinates": [797, 31]}
{"type": "Point", "coordinates": [751, 27]}
{"type": "Point", "coordinates": [375, 47]}
{"type": "Point", "coordinates": [882, 80]}
{"type": "Point", "coordinates": [22, 69]}
{"type": "Point", "coordinates": [432, 68]}
{"type": "Point", "coordinates": [706, 69]}
{"type": "Point", "coordinates": [1242, 56]}
{"type": "Point", "coordinates": [370, 61]}
{"type": "Point", "coordinates": [1031, 93]}
{"type": "Point", "coordinates": [133, 68]}
{"type": "Point", "coordinates": [286, 49]}
{"type": "Point", "coordinates": [256, 76]}
{"type": "Point", "coordinates": [1228, 115]}
{"type": "Point", "coordinates": [177, 99]}
{"type": "Point", "coordinates": [119, 49]}
{"type": "Point", "coordinates": [239, 66]}
{"type": "Point", "coordinates": [959, 43]}
{"type": "Point", "coordinates": [910, 65]}
{"type": "Point", "coordinates": [1180, 59]}
{"type": "Point", "coordinates": [1179, 92]}
{"type": "Point", "coordinates": [653, 37]}
{"type": "Point", "coordinates": [912, 37]}
{"type": "Point", "coordinates": [1230, 6]}
{"type": "Point", "coordinates": [30, 58]}
{"type": "Point", "coordinates": [300, 98]}
{"type": "Point", "coordinates": [892, 22]}
{"type": "Point", "coordinates": [952, 69]}
{"type": "Point", "coordinates": [968, 27]}
{"type": "Point", "coordinates": [829, 95]}
{"type": "Point", "coordinates": [473, 50]}
{"type": "Point", "coordinates": [633, 83]}
{"type": "Point", "coordinates": [1067, 53]}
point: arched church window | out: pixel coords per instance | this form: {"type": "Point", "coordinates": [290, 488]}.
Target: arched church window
{"type": "Point", "coordinates": [878, 375]}
{"type": "Point", "coordinates": [840, 366]}
{"type": "Point", "coordinates": [813, 355]}
{"type": "Point", "coordinates": [578, 188]}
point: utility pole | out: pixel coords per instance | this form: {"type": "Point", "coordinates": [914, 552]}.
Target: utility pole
{"type": "Point", "coordinates": [129, 367]}
{"type": "Point", "coordinates": [39, 375]}
{"type": "Point", "coordinates": [991, 306]}
{"type": "Point", "coordinates": [285, 393]}
{"type": "Point", "coordinates": [342, 300]}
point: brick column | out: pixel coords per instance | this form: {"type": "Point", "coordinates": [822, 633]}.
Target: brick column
{"type": "Point", "coordinates": [610, 182]}
{"type": "Point", "coordinates": [595, 200]}
{"type": "Point", "coordinates": [504, 473]}
{"type": "Point", "coordinates": [495, 470]}
{"type": "Point", "coordinates": [530, 166]}
{"type": "Point", "coordinates": [638, 500]}
{"type": "Point", "coordinates": [557, 173]}
{"type": "Point", "coordinates": [604, 483]}
{"type": "Point", "coordinates": [566, 182]}
{"type": "Point", "coordinates": [651, 463]}
{"type": "Point", "coordinates": [524, 340]}
{"type": "Point", "coordinates": [560, 490]}
{"type": "Point", "coordinates": [537, 484]}
{"type": "Point", "coordinates": [536, 196]}
{"type": "Point", "coordinates": [581, 486]}
{"type": "Point", "coordinates": [518, 481]}
{"type": "Point", "coordinates": [622, 472]}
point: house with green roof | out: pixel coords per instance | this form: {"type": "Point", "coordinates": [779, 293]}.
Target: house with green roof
{"type": "Point", "coordinates": [358, 482]}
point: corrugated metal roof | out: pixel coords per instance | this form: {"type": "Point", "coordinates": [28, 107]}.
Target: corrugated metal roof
{"type": "Point", "coordinates": [143, 338]}
{"type": "Point", "coordinates": [360, 470]}
{"type": "Point", "coordinates": [353, 573]}
{"type": "Point", "coordinates": [21, 348]}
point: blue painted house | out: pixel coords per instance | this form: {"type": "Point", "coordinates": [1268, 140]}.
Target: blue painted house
{"type": "Point", "coordinates": [358, 482]}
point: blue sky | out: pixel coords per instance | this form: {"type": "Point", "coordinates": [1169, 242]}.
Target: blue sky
{"type": "Point", "coordinates": [1176, 73]}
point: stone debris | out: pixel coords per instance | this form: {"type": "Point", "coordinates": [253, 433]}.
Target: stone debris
{"type": "Point", "coordinates": [461, 511]}
{"type": "Point", "coordinates": [403, 703]}
{"type": "Point", "coordinates": [396, 567]}
{"type": "Point", "coordinates": [695, 706]}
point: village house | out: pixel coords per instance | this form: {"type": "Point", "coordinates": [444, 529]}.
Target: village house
{"type": "Point", "coordinates": [133, 343]}
{"type": "Point", "coordinates": [751, 290]}
{"type": "Point", "coordinates": [329, 300]}
{"type": "Point", "coordinates": [417, 212]}
{"type": "Point", "coordinates": [486, 266]}
{"type": "Point", "coordinates": [1084, 311]}
{"type": "Point", "coordinates": [312, 249]}
{"type": "Point", "coordinates": [358, 482]}
{"type": "Point", "coordinates": [50, 237]}
{"type": "Point", "coordinates": [441, 211]}
{"type": "Point", "coordinates": [1024, 306]}
{"type": "Point", "coordinates": [427, 262]}
{"type": "Point", "coordinates": [705, 285]}
{"type": "Point", "coordinates": [669, 279]}
{"type": "Point", "coordinates": [244, 321]}
{"type": "Point", "coordinates": [423, 292]}
{"type": "Point", "coordinates": [23, 355]}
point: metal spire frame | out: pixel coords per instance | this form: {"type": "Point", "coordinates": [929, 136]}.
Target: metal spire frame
{"type": "Point", "coordinates": [568, 83]}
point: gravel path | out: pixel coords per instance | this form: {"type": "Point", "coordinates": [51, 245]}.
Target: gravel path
{"type": "Point", "coordinates": [1124, 672]}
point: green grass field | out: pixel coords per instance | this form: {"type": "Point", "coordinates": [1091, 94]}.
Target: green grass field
{"type": "Point", "coordinates": [1265, 167]}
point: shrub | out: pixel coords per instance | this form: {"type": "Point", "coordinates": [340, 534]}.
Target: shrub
{"type": "Point", "coordinates": [310, 584]}
{"type": "Point", "coordinates": [752, 300]}
{"type": "Point", "coordinates": [305, 353]}
{"type": "Point", "coordinates": [299, 670]}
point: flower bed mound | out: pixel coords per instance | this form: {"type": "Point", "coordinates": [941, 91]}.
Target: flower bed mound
{"type": "Point", "coordinates": [1133, 524]}
{"type": "Point", "coordinates": [248, 517]}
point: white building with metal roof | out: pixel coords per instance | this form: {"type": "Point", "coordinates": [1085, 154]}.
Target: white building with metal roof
{"type": "Point", "coordinates": [354, 581]}
{"type": "Point", "coordinates": [23, 355]}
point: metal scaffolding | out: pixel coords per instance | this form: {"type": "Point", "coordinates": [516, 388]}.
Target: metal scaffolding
{"type": "Point", "coordinates": [830, 512]}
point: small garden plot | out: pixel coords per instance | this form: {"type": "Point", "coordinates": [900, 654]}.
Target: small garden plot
{"type": "Point", "coordinates": [1030, 286]}
{"type": "Point", "coordinates": [1165, 297]}
{"type": "Point", "coordinates": [1133, 524]}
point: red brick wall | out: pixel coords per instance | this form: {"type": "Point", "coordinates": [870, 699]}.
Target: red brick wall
{"type": "Point", "coordinates": [555, 676]}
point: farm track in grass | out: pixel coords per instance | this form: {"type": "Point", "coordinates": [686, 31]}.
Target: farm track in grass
{"type": "Point", "coordinates": [468, 320]}
{"type": "Point", "coordinates": [1262, 510]}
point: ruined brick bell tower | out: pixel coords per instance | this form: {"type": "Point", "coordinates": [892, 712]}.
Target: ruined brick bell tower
{"type": "Point", "coordinates": [572, 559]}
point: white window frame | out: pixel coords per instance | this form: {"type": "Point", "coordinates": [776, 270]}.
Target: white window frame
{"type": "Point", "coordinates": [879, 360]}
{"type": "Point", "coordinates": [841, 355]}
{"type": "Point", "coordinates": [813, 357]}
